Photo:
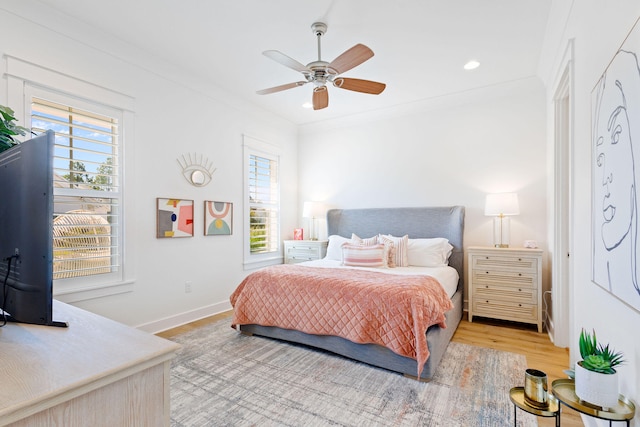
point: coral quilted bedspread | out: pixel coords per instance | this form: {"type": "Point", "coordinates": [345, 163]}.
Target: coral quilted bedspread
{"type": "Point", "coordinates": [361, 306]}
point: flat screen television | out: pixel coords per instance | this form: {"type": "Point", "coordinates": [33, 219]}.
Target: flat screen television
{"type": "Point", "coordinates": [26, 231]}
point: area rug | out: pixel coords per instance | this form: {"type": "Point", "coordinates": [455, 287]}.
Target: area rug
{"type": "Point", "coordinates": [223, 378]}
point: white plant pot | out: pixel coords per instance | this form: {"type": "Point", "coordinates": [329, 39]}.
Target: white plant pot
{"type": "Point", "coordinates": [596, 388]}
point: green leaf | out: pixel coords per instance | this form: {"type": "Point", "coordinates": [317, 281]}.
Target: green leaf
{"type": "Point", "coordinates": [8, 127]}
{"type": "Point", "coordinates": [7, 113]}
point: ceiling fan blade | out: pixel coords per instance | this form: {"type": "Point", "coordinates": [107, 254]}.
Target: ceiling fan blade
{"type": "Point", "coordinates": [286, 60]}
{"type": "Point", "coordinates": [359, 85]}
{"type": "Point", "coordinates": [280, 88]}
{"type": "Point", "coordinates": [320, 98]}
{"type": "Point", "coordinates": [351, 58]}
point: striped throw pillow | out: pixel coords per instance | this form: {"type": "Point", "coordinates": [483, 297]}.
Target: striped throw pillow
{"type": "Point", "coordinates": [400, 244]}
{"type": "Point", "coordinates": [364, 256]}
{"type": "Point", "coordinates": [367, 242]}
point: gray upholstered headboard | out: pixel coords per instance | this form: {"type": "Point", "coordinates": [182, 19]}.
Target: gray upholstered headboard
{"type": "Point", "coordinates": [420, 222]}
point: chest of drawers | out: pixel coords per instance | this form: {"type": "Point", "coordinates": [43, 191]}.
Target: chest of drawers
{"type": "Point", "coordinates": [505, 283]}
{"type": "Point", "coordinates": [304, 250]}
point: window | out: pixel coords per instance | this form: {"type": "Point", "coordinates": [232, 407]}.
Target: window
{"type": "Point", "coordinates": [90, 122]}
{"type": "Point", "coordinates": [86, 224]}
{"type": "Point", "coordinates": [263, 201]}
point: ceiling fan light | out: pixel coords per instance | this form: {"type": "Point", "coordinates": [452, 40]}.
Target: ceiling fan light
{"type": "Point", "coordinates": [471, 65]}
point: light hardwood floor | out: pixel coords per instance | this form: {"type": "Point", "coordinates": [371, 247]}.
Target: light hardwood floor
{"type": "Point", "coordinates": [524, 339]}
{"type": "Point", "coordinates": [506, 336]}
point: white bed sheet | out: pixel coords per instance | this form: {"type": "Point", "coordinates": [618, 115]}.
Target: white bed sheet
{"type": "Point", "coordinates": [447, 276]}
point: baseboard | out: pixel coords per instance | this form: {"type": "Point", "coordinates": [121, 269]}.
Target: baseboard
{"type": "Point", "coordinates": [180, 319]}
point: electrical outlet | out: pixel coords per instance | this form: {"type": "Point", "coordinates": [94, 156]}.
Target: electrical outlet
{"type": "Point", "coordinates": [187, 287]}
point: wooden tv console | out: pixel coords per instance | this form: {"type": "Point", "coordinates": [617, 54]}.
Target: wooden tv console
{"type": "Point", "coordinates": [96, 372]}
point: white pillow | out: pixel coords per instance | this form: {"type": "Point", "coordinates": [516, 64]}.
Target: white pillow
{"type": "Point", "coordinates": [429, 252]}
{"type": "Point", "coordinates": [334, 247]}
{"type": "Point", "coordinates": [400, 244]}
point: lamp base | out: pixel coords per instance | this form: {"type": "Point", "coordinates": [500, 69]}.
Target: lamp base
{"type": "Point", "coordinates": [501, 231]}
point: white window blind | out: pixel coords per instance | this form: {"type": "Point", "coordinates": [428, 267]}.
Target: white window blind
{"type": "Point", "coordinates": [264, 204]}
{"type": "Point", "coordinates": [86, 183]}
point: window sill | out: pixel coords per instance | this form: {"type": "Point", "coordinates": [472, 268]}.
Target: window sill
{"type": "Point", "coordinates": [87, 292]}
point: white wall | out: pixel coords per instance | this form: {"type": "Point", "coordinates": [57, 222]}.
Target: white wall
{"type": "Point", "coordinates": [598, 30]}
{"type": "Point", "coordinates": [174, 114]}
{"type": "Point", "coordinates": [448, 151]}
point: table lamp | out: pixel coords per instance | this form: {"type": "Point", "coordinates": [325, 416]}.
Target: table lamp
{"type": "Point", "coordinates": [501, 206]}
{"type": "Point", "coordinates": [313, 210]}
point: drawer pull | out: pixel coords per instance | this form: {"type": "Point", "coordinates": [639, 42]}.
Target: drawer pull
{"type": "Point", "coordinates": [486, 286]}
{"type": "Point", "coordinates": [519, 259]}
{"type": "Point", "coordinates": [519, 290]}
{"type": "Point", "coordinates": [487, 301]}
{"type": "Point", "coordinates": [519, 305]}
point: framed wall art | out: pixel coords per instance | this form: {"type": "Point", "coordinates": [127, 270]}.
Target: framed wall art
{"type": "Point", "coordinates": [174, 218]}
{"type": "Point", "coordinates": [218, 218]}
{"type": "Point", "coordinates": [615, 144]}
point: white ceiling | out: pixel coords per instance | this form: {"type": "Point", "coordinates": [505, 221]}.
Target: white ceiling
{"type": "Point", "coordinates": [420, 46]}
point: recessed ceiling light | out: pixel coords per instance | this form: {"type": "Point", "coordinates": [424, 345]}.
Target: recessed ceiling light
{"type": "Point", "coordinates": [307, 105]}
{"type": "Point", "coordinates": [471, 65]}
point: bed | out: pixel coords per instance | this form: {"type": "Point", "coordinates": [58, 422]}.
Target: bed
{"type": "Point", "coordinates": [417, 223]}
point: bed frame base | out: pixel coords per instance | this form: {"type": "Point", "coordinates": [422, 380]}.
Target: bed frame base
{"type": "Point", "coordinates": [373, 354]}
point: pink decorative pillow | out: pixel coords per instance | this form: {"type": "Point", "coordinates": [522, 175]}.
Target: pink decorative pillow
{"type": "Point", "coordinates": [391, 251]}
{"type": "Point", "coordinates": [367, 242]}
{"type": "Point", "coordinates": [364, 256]}
{"type": "Point", "coordinates": [400, 244]}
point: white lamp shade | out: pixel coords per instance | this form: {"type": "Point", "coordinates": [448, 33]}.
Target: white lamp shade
{"type": "Point", "coordinates": [499, 204]}
{"type": "Point", "coordinates": [313, 210]}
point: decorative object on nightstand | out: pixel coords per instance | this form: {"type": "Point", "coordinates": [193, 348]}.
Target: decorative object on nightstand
{"type": "Point", "coordinates": [505, 283]}
{"type": "Point", "coordinates": [304, 250]}
{"type": "Point", "coordinates": [313, 211]}
{"type": "Point", "coordinates": [596, 380]}
{"type": "Point", "coordinates": [298, 234]}
{"type": "Point", "coordinates": [535, 388]}
{"type": "Point", "coordinates": [501, 206]}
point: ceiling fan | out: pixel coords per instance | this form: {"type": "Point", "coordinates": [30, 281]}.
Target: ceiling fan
{"type": "Point", "coordinates": [321, 72]}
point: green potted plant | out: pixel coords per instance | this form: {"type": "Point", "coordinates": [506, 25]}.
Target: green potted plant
{"type": "Point", "coordinates": [596, 379]}
{"type": "Point", "coordinates": [9, 129]}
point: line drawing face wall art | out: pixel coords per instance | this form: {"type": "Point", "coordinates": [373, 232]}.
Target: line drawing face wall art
{"type": "Point", "coordinates": [615, 103]}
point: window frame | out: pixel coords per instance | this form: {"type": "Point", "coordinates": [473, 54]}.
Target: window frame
{"type": "Point", "coordinates": [252, 146]}
{"type": "Point", "coordinates": [25, 80]}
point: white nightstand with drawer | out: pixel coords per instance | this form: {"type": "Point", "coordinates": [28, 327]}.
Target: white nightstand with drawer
{"type": "Point", "coordinates": [304, 250]}
{"type": "Point", "coordinates": [505, 283]}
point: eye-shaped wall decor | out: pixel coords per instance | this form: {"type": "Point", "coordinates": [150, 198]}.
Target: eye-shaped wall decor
{"type": "Point", "coordinates": [196, 169]}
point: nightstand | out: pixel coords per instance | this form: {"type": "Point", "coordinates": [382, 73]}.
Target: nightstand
{"type": "Point", "coordinates": [516, 395]}
{"type": "Point", "coordinates": [304, 250]}
{"type": "Point", "coordinates": [565, 391]}
{"type": "Point", "coordinates": [505, 283]}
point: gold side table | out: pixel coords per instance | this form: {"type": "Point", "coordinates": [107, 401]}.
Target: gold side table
{"type": "Point", "coordinates": [516, 394]}
{"type": "Point", "coordinates": [565, 391]}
